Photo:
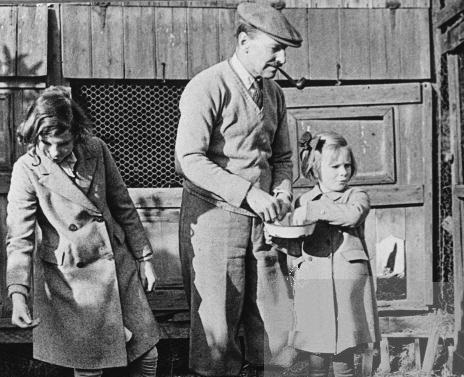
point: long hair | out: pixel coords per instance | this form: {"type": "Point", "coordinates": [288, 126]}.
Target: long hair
{"type": "Point", "coordinates": [53, 113]}
{"type": "Point", "coordinates": [313, 147]}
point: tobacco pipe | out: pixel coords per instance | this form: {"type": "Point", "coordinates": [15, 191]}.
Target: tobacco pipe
{"type": "Point", "coordinates": [300, 84]}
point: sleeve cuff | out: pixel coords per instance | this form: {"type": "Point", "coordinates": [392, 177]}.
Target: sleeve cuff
{"type": "Point", "coordinates": [18, 288]}
{"type": "Point", "coordinates": [289, 194]}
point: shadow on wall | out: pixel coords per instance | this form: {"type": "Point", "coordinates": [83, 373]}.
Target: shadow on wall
{"type": "Point", "coordinates": [11, 64]}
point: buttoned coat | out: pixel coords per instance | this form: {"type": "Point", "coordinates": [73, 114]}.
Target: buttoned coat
{"type": "Point", "coordinates": [86, 284]}
{"type": "Point", "coordinates": [335, 305]}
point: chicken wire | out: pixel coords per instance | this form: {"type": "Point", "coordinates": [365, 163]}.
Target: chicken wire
{"type": "Point", "coordinates": [138, 121]}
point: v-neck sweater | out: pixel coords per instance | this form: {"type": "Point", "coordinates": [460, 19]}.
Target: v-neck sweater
{"type": "Point", "coordinates": [225, 144]}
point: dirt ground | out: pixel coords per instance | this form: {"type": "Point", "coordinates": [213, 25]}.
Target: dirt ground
{"type": "Point", "coordinates": [16, 361]}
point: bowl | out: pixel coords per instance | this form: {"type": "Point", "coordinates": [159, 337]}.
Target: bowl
{"type": "Point", "coordinates": [289, 231]}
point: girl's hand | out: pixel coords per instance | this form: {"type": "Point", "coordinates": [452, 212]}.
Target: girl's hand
{"type": "Point", "coordinates": [299, 216]}
{"type": "Point", "coordinates": [147, 275]}
{"type": "Point", "coordinates": [21, 316]}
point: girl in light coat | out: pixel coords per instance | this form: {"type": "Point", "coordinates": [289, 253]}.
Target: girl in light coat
{"type": "Point", "coordinates": [335, 306]}
{"type": "Point", "coordinates": [92, 256]}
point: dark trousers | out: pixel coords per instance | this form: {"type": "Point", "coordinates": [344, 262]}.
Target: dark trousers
{"type": "Point", "coordinates": [342, 363]}
{"type": "Point", "coordinates": [231, 276]}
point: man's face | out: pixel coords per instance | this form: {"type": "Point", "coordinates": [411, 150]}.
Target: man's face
{"type": "Point", "coordinates": [263, 54]}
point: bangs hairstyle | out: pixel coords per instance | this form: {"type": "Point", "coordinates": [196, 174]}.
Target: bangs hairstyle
{"type": "Point", "coordinates": [53, 113]}
{"type": "Point", "coordinates": [330, 143]}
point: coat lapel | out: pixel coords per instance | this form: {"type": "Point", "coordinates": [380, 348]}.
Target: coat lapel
{"type": "Point", "coordinates": [55, 179]}
{"type": "Point", "coordinates": [85, 167]}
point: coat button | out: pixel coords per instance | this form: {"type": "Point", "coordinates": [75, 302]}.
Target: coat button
{"type": "Point", "coordinates": [72, 227]}
{"type": "Point", "coordinates": [100, 219]}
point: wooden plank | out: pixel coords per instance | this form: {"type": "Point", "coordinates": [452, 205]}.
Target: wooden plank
{"type": "Point", "coordinates": [459, 191]}
{"type": "Point", "coordinates": [457, 179]}
{"type": "Point", "coordinates": [416, 255]}
{"type": "Point", "coordinates": [3, 289]}
{"type": "Point", "coordinates": [55, 72]}
{"type": "Point", "coordinates": [384, 366]}
{"type": "Point", "coordinates": [383, 45]}
{"type": "Point", "coordinates": [203, 49]}
{"type": "Point", "coordinates": [353, 95]}
{"type": "Point", "coordinates": [429, 163]}
{"type": "Point", "coordinates": [298, 58]}
{"type": "Point", "coordinates": [4, 183]}
{"type": "Point", "coordinates": [8, 24]}
{"type": "Point", "coordinates": [323, 35]}
{"type": "Point", "coordinates": [76, 41]}
{"type": "Point", "coordinates": [354, 44]}
{"type": "Point", "coordinates": [139, 43]}
{"type": "Point", "coordinates": [226, 38]}
{"type": "Point", "coordinates": [414, 37]}
{"type": "Point", "coordinates": [171, 43]}
{"type": "Point", "coordinates": [22, 101]}
{"type": "Point", "coordinates": [409, 127]}
{"type": "Point", "coordinates": [6, 134]}
{"type": "Point", "coordinates": [32, 40]}
{"type": "Point", "coordinates": [19, 83]}
{"type": "Point", "coordinates": [289, 3]}
{"type": "Point", "coordinates": [414, 325]}
{"type": "Point", "coordinates": [432, 346]}
{"type": "Point", "coordinates": [451, 10]}
{"type": "Point", "coordinates": [453, 37]}
{"type": "Point", "coordinates": [107, 41]}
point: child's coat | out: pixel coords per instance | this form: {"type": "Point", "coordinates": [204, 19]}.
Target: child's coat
{"type": "Point", "coordinates": [335, 305]}
{"type": "Point", "coordinates": [86, 284]}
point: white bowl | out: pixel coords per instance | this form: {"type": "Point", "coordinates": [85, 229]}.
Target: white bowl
{"type": "Point", "coordinates": [289, 231]}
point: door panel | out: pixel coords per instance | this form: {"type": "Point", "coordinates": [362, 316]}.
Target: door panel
{"type": "Point", "coordinates": [390, 138]}
{"type": "Point", "coordinates": [368, 130]}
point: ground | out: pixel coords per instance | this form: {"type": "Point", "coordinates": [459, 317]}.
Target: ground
{"type": "Point", "coordinates": [16, 361]}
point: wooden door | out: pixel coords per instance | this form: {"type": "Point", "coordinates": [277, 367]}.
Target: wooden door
{"type": "Point", "coordinates": [389, 129]}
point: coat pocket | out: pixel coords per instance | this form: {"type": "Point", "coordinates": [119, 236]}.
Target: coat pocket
{"type": "Point", "coordinates": [50, 254]}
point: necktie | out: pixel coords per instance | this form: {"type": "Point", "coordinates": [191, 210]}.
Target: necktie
{"type": "Point", "coordinates": [258, 92]}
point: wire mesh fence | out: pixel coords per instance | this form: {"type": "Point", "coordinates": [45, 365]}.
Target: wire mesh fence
{"type": "Point", "coordinates": [138, 121]}
{"type": "Point", "coordinates": [443, 258]}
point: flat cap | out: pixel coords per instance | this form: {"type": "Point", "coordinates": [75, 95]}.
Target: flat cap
{"type": "Point", "coordinates": [271, 21]}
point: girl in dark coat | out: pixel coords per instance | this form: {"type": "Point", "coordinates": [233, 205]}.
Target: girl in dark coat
{"type": "Point", "coordinates": [92, 257]}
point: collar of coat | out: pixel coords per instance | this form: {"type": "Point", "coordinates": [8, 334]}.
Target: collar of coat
{"type": "Point", "coordinates": [51, 175]}
{"type": "Point", "coordinates": [316, 193]}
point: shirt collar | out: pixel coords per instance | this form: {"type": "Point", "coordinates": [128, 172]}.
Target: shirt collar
{"type": "Point", "coordinates": [68, 164]}
{"type": "Point", "coordinates": [71, 159]}
{"type": "Point", "coordinates": [241, 71]}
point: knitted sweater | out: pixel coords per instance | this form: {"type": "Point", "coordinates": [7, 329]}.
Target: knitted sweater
{"type": "Point", "coordinates": [225, 143]}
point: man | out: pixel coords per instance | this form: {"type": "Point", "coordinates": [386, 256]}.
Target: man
{"type": "Point", "coordinates": [233, 149]}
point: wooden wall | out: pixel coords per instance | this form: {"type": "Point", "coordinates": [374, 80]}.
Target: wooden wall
{"type": "Point", "coordinates": [178, 42]}
{"type": "Point", "coordinates": [369, 61]}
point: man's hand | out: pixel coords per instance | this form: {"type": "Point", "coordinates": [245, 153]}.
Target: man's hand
{"type": "Point", "coordinates": [285, 205]}
{"type": "Point", "coordinates": [21, 316]}
{"type": "Point", "coordinates": [147, 275]}
{"type": "Point", "coordinates": [264, 205]}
